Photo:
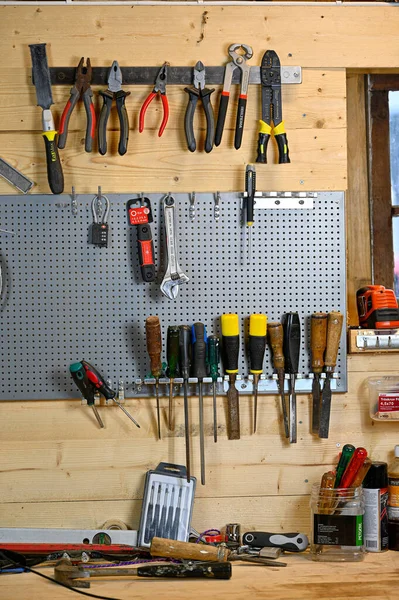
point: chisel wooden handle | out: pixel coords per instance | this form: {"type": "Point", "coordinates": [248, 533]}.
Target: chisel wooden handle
{"type": "Point", "coordinates": [275, 331]}
{"type": "Point", "coordinates": [154, 344]}
{"type": "Point", "coordinates": [185, 550]}
{"type": "Point", "coordinates": [334, 328]}
{"type": "Point", "coordinates": [318, 340]}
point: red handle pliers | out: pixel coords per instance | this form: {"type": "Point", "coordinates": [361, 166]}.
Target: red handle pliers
{"type": "Point", "coordinates": [81, 89]}
{"type": "Point", "coordinates": [159, 87]}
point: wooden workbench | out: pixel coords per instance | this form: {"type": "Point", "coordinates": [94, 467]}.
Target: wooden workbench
{"type": "Point", "coordinates": [375, 578]}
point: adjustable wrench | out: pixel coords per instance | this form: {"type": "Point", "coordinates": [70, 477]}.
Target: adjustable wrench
{"type": "Point", "coordinates": [174, 275]}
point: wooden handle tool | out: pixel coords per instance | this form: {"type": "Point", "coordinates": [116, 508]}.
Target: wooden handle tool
{"type": "Point", "coordinates": [185, 550]}
{"type": "Point", "coordinates": [318, 342]}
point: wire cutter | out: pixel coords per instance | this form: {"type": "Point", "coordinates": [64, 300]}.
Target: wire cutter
{"type": "Point", "coordinates": [199, 91]}
{"type": "Point", "coordinates": [114, 91]}
{"type": "Point", "coordinates": [159, 88]}
{"type": "Point", "coordinates": [238, 61]}
{"type": "Point", "coordinates": [81, 89]}
{"type": "Point", "coordinates": [270, 79]}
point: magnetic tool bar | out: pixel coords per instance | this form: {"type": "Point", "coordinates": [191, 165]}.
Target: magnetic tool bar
{"type": "Point", "coordinates": [176, 75]}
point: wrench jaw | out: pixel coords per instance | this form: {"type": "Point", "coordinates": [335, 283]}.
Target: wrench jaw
{"type": "Point", "coordinates": [171, 284]}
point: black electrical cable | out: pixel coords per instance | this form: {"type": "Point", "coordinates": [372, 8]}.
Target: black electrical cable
{"type": "Point", "coordinates": [20, 563]}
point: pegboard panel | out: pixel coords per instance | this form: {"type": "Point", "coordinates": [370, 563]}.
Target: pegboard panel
{"type": "Point", "coordinates": [64, 299]}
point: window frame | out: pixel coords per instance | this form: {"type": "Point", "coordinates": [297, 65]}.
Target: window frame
{"type": "Point", "coordinates": [379, 173]}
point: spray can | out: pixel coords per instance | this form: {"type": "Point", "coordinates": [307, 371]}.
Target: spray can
{"type": "Point", "coordinates": [375, 520]}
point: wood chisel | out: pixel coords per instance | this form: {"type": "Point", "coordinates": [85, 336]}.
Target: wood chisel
{"type": "Point", "coordinates": [185, 365]}
{"type": "Point", "coordinates": [231, 347]}
{"type": "Point", "coordinates": [292, 344]}
{"type": "Point", "coordinates": [256, 347]}
{"type": "Point", "coordinates": [318, 342]}
{"type": "Point", "coordinates": [276, 338]}
{"type": "Point", "coordinates": [172, 356]}
{"type": "Point", "coordinates": [334, 329]}
{"type": "Point", "coordinates": [204, 552]}
{"type": "Point", "coordinates": [41, 79]}
{"type": "Point", "coordinates": [213, 362]}
{"type": "Point", "coordinates": [154, 349]}
{"type": "Point", "coordinates": [199, 370]}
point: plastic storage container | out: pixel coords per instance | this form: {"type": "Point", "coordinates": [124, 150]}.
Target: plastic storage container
{"type": "Point", "coordinates": [337, 524]}
{"type": "Point", "coordinates": [384, 398]}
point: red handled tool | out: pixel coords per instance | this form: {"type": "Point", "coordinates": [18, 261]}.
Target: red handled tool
{"type": "Point", "coordinates": [81, 89]}
{"type": "Point", "coordinates": [139, 214]}
{"type": "Point", "coordinates": [159, 88]}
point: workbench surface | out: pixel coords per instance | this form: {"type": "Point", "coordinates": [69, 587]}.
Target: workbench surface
{"type": "Point", "coordinates": [375, 578]}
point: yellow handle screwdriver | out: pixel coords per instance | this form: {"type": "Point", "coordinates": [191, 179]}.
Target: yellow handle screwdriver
{"type": "Point", "coordinates": [231, 347]}
{"type": "Point", "coordinates": [257, 347]}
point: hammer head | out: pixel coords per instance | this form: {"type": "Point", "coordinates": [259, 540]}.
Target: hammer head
{"type": "Point", "coordinates": [65, 572]}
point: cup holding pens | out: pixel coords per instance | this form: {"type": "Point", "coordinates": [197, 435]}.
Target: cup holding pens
{"type": "Point", "coordinates": [337, 524]}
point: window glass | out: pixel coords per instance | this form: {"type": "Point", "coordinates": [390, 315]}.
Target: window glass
{"type": "Point", "coordinates": [394, 151]}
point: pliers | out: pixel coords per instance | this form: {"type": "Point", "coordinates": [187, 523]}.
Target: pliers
{"type": "Point", "coordinates": [81, 89]}
{"type": "Point", "coordinates": [114, 91]}
{"type": "Point", "coordinates": [238, 61]}
{"type": "Point", "coordinates": [159, 88]}
{"type": "Point", "coordinates": [199, 91]}
{"type": "Point", "coordinates": [270, 79]}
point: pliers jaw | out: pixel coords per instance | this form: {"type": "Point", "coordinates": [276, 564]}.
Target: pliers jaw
{"type": "Point", "coordinates": [159, 88]}
{"type": "Point", "coordinates": [83, 75]}
{"type": "Point", "coordinates": [199, 91]}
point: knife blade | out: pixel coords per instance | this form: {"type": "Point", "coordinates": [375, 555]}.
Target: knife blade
{"type": "Point", "coordinates": [41, 80]}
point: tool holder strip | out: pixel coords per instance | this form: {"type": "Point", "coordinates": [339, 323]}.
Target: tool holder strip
{"type": "Point", "coordinates": [65, 299]}
{"type": "Point", "coordinates": [176, 75]}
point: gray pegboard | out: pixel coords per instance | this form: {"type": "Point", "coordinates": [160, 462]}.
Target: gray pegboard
{"type": "Point", "coordinates": [65, 299]}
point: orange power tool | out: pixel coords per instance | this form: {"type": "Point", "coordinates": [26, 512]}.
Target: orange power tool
{"type": "Point", "coordinates": [377, 307]}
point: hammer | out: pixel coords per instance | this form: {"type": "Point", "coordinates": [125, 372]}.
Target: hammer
{"type": "Point", "coordinates": [71, 576]}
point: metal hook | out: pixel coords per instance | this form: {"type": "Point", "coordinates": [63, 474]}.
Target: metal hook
{"type": "Point", "coordinates": [216, 209]}
{"type": "Point", "coordinates": [191, 210]}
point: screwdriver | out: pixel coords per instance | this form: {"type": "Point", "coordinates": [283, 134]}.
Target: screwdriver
{"type": "Point", "coordinates": [185, 364]}
{"type": "Point", "coordinates": [231, 347]}
{"type": "Point", "coordinates": [154, 349]}
{"type": "Point", "coordinates": [257, 347]}
{"type": "Point", "coordinates": [355, 464]}
{"type": "Point", "coordinates": [199, 371]}
{"type": "Point", "coordinates": [292, 343]}
{"type": "Point", "coordinates": [318, 342]}
{"type": "Point", "coordinates": [346, 455]}
{"type": "Point", "coordinates": [172, 350]}
{"type": "Point", "coordinates": [250, 188]}
{"type": "Point", "coordinates": [213, 361]}
{"type": "Point", "coordinates": [276, 337]}
{"type": "Point", "coordinates": [334, 328]}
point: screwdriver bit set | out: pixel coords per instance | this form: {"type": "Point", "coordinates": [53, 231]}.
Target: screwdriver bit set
{"type": "Point", "coordinates": [167, 504]}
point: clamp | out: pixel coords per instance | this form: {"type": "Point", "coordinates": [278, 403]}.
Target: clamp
{"type": "Point", "coordinates": [238, 61]}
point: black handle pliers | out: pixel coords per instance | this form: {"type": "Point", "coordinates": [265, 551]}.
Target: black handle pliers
{"type": "Point", "coordinates": [199, 91]}
{"type": "Point", "coordinates": [81, 89]}
{"type": "Point", "coordinates": [270, 79]}
{"type": "Point", "coordinates": [114, 91]}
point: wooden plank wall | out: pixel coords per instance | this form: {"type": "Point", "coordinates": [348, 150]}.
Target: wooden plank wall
{"type": "Point", "coordinates": [56, 467]}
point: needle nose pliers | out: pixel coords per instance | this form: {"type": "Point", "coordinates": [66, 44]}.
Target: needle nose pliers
{"type": "Point", "coordinates": [114, 91]}
{"type": "Point", "coordinates": [159, 88]}
{"type": "Point", "coordinates": [81, 89]}
{"type": "Point", "coordinates": [199, 91]}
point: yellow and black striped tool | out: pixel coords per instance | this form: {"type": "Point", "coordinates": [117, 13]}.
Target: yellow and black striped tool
{"type": "Point", "coordinates": [270, 79]}
{"type": "Point", "coordinates": [231, 348]}
{"type": "Point", "coordinates": [256, 347]}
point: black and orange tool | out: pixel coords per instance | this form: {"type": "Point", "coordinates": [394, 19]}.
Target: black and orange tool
{"type": "Point", "coordinates": [41, 79]}
{"type": "Point", "coordinates": [318, 343]}
{"type": "Point", "coordinates": [377, 307]}
{"type": "Point", "coordinates": [81, 89]}
{"type": "Point", "coordinates": [239, 54]}
{"type": "Point", "coordinates": [334, 328]}
{"type": "Point", "coordinates": [114, 91]}
{"type": "Point", "coordinates": [159, 88]}
{"type": "Point", "coordinates": [140, 215]}
{"type": "Point", "coordinates": [270, 79]}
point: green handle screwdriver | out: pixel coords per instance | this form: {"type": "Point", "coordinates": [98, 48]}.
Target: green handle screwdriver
{"type": "Point", "coordinates": [346, 455]}
{"type": "Point", "coordinates": [213, 362]}
{"type": "Point", "coordinates": [172, 354]}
